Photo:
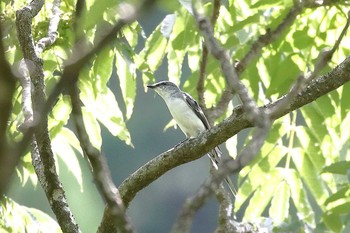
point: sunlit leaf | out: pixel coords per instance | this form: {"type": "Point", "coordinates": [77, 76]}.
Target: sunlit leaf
{"type": "Point", "coordinates": [152, 55]}
{"type": "Point", "coordinates": [62, 149]}
{"type": "Point", "coordinates": [18, 218]}
{"type": "Point", "coordinates": [262, 196]}
{"type": "Point", "coordinates": [299, 197]}
{"type": "Point", "coordinates": [127, 78]}
{"type": "Point", "coordinates": [92, 128]}
{"type": "Point", "coordinates": [279, 210]}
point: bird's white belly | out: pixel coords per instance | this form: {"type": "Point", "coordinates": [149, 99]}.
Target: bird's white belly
{"type": "Point", "coordinates": [187, 120]}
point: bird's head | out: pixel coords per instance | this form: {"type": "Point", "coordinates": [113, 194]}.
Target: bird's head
{"type": "Point", "coordinates": [165, 88]}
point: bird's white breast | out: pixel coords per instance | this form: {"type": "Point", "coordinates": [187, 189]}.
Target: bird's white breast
{"type": "Point", "coordinates": [187, 120]}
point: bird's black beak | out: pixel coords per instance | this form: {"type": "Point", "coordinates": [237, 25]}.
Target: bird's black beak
{"type": "Point", "coordinates": [152, 86]}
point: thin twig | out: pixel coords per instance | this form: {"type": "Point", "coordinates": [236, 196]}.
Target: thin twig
{"type": "Point", "coordinates": [268, 38]}
{"type": "Point", "coordinates": [322, 60]}
{"type": "Point", "coordinates": [101, 172]}
{"type": "Point", "coordinates": [52, 33]}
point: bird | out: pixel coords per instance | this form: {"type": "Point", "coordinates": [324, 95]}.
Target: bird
{"type": "Point", "coordinates": [189, 117]}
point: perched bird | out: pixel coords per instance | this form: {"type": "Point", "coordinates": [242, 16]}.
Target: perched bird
{"type": "Point", "coordinates": [189, 117]}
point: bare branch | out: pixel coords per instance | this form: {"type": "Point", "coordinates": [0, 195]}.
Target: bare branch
{"type": "Point", "coordinates": [206, 141]}
{"type": "Point", "coordinates": [101, 172]}
{"type": "Point", "coordinates": [52, 32]}
{"type": "Point", "coordinates": [232, 79]}
{"type": "Point", "coordinates": [325, 56]}
{"type": "Point", "coordinates": [225, 210]}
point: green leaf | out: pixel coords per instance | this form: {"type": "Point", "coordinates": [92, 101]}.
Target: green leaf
{"type": "Point", "coordinates": [59, 115]}
{"type": "Point", "coordinates": [342, 193]}
{"type": "Point", "coordinates": [46, 223]}
{"type": "Point", "coordinates": [131, 33]}
{"type": "Point", "coordinates": [333, 221]}
{"type": "Point", "coordinates": [301, 38]}
{"type": "Point", "coordinates": [279, 210]}
{"type": "Point", "coordinates": [315, 121]}
{"type": "Point", "coordinates": [18, 218]}
{"type": "Point", "coordinates": [103, 106]}
{"type": "Point", "coordinates": [127, 78]}
{"type": "Point", "coordinates": [92, 128]}
{"type": "Point", "coordinates": [102, 69]}
{"type": "Point", "coordinates": [113, 118]}
{"type": "Point", "coordinates": [344, 103]}
{"type": "Point", "coordinates": [262, 168]}
{"type": "Point", "coordinates": [341, 168]}
{"type": "Point", "coordinates": [153, 53]}
{"type": "Point", "coordinates": [299, 197]}
{"type": "Point", "coordinates": [280, 79]}
{"type": "Point", "coordinates": [180, 39]}
{"type": "Point", "coordinates": [310, 174]}
{"type": "Point", "coordinates": [262, 196]}
{"type": "Point", "coordinates": [62, 149]}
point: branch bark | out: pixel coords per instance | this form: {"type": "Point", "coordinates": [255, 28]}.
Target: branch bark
{"type": "Point", "coordinates": [101, 172]}
{"type": "Point", "coordinates": [42, 155]}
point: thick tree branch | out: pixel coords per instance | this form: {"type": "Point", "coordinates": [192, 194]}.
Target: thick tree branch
{"type": "Point", "coordinates": [42, 152]}
{"type": "Point", "coordinates": [206, 141]}
{"type": "Point", "coordinates": [101, 172]}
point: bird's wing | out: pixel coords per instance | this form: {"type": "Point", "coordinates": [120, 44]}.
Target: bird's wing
{"type": "Point", "coordinates": [196, 109]}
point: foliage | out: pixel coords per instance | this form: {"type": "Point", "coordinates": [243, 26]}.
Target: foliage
{"type": "Point", "coordinates": [17, 218]}
{"type": "Point", "coordinates": [301, 176]}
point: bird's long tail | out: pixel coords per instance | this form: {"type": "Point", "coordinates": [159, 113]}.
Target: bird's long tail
{"type": "Point", "coordinates": [215, 156]}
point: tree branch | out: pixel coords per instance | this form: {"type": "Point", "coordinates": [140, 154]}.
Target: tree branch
{"type": "Point", "coordinates": [101, 172]}
{"type": "Point", "coordinates": [41, 140]}
{"type": "Point", "coordinates": [52, 32]}
{"type": "Point", "coordinates": [195, 148]}
{"type": "Point", "coordinates": [235, 85]}
{"type": "Point", "coordinates": [226, 167]}
{"type": "Point", "coordinates": [81, 55]}
{"type": "Point", "coordinates": [268, 38]}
